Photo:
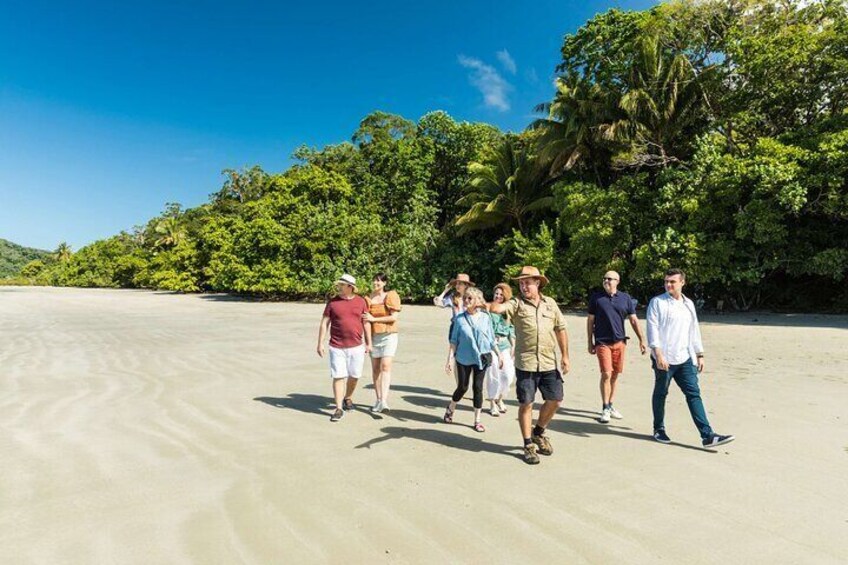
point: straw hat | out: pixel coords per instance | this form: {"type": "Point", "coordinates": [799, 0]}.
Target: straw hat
{"type": "Point", "coordinates": [528, 272]}
{"type": "Point", "coordinates": [347, 279]}
{"type": "Point", "coordinates": [463, 278]}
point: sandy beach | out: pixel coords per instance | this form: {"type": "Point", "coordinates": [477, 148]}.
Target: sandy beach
{"type": "Point", "coordinates": [141, 427]}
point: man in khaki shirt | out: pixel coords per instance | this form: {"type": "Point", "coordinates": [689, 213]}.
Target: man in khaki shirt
{"type": "Point", "coordinates": [539, 330]}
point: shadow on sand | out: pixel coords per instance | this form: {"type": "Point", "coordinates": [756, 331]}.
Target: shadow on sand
{"type": "Point", "coordinates": [308, 403]}
{"type": "Point", "coordinates": [589, 429]}
{"type": "Point", "coordinates": [445, 439]}
{"type": "Point", "coordinates": [323, 405]}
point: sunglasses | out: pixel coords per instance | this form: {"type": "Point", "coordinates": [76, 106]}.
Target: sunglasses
{"type": "Point", "coordinates": [468, 298]}
{"type": "Point", "coordinates": [609, 279]}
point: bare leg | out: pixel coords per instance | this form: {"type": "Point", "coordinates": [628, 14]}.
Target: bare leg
{"type": "Point", "coordinates": [375, 377]}
{"type": "Point", "coordinates": [385, 377]}
{"type": "Point", "coordinates": [339, 391]}
{"type": "Point", "coordinates": [525, 419]}
{"type": "Point", "coordinates": [606, 388]}
{"type": "Point", "coordinates": [613, 380]}
{"type": "Point", "coordinates": [546, 413]}
{"type": "Point", "coordinates": [351, 386]}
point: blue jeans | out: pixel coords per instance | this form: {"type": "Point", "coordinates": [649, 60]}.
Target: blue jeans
{"type": "Point", "coordinates": [686, 377]}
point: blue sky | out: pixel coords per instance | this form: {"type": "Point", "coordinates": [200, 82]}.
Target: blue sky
{"type": "Point", "coordinates": [108, 111]}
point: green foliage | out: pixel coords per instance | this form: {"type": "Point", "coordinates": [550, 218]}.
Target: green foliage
{"type": "Point", "coordinates": [13, 257]}
{"type": "Point", "coordinates": [507, 189]}
{"type": "Point", "coordinates": [33, 269]}
{"type": "Point", "coordinates": [539, 250]}
{"type": "Point", "coordinates": [104, 263]}
{"type": "Point", "coordinates": [707, 135]}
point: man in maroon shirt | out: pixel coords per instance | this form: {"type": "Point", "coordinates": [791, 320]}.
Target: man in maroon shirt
{"type": "Point", "coordinates": [343, 317]}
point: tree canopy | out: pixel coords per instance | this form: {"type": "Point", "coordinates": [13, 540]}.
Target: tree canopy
{"type": "Point", "coordinates": [707, 135]}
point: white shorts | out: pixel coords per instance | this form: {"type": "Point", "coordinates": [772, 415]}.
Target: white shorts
{"type": "Point", "coordinates": [347, 361]}
{"type": "Point", "coordinates": [384, 345]}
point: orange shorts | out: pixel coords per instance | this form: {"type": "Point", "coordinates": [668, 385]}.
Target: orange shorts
{"type": "Point", "coordinates": [611, 357]}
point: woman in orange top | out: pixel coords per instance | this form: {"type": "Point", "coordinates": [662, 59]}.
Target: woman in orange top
{"type": "Point", "coordinates": [383, 308]}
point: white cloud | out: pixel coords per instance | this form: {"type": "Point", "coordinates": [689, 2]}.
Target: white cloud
{"type": "Point", "coordinates": [507, 61]}
{"type": "Point", "coordinates": [489, 82]}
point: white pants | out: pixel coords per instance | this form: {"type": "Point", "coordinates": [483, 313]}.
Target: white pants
{"type": "Point", "coordinates": [498, 380]}
{"type": "Point", "coordinates": [346, 362]}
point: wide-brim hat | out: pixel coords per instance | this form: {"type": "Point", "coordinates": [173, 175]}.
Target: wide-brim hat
{"type": "Point", "coordinates": [528, 272]}
{"type": "Point", "coordinates": [463, 278]}
{"type": "Point", "coordinates": [347, 279]}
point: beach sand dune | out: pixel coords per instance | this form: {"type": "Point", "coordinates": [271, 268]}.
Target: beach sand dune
{"type": "Point", "coordinates": [140, 427]}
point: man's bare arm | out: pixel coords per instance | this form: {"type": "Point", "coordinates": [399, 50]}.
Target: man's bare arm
{"type": "Point", "coordinates": [322, 333]}
{"type": "Point", "coordinates": [562, 340]}
{"type": "Point", "coordinates": [634, 323]}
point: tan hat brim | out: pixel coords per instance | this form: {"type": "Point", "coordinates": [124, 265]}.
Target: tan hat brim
{"type": "Point", "coordinates": [542, 278]}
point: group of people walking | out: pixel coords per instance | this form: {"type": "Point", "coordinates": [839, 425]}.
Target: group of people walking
{"type": "Point", "coordinates": [521, 339]}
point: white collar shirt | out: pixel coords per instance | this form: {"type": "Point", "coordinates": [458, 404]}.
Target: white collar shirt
{"type": "Point", "coordinates": [673, 329]}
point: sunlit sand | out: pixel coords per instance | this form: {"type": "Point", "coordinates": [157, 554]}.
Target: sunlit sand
{"type": "Point", "coordinates": [141, 427]}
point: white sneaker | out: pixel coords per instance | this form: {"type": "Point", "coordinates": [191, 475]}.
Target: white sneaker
{"type": "Point", "coordinates": [384, 406]}
{"type": "Point", "coordinates": [615, 413]}
{"type": "Point", "coordinates": [378, 407]}
{"type": "Point", "coordinates": [605, 416]}
{"type": "Point", "coordinates": [494, 411]}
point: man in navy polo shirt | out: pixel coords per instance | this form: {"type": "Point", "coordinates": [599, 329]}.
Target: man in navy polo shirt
{"type": "Point", "coordinates": [607, 340]}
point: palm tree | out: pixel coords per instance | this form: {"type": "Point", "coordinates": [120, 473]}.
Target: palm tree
{"type": "Point", "coordinates": [642, 120]}
{"type": "Point", "coordinates": [506, 188]}
{"type": "Point", "coordinates": [662, 99]}
{"type": "Point", "coordinates": [63, 253]}
{"type": "Point", "coordinates": [570, 134]}
{"type": "Point", "coordinates": [169, 231]}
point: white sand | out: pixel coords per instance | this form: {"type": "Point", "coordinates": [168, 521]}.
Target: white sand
{"type": "Point", "coordinates": [138, 427]}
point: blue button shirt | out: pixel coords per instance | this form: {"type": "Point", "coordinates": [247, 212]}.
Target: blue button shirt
{"type": "Point", "coordinates": [610, 313]}
{"type": "Point", "coordinates": [472, 336]}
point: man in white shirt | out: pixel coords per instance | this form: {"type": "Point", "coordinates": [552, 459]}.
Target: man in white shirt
{"type": "Point", "coordinates": [676, 351]}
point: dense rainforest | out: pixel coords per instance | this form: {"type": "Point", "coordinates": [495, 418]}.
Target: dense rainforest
{"type": "Point", "coordinates": [708, 135]}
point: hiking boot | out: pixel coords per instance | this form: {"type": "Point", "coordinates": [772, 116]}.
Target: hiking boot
{"type": "Point", "coordinates": [543, 443]}
{"type": "Point", "coordinates": [337, 415]}
{"type": "Point", "coordinates": [530, 456]}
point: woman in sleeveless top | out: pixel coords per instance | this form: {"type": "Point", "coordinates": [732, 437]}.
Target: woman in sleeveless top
{"type": "Point", "coordinates": [383, 309]}
{"type": "Point", "coordinates": [499, 379]}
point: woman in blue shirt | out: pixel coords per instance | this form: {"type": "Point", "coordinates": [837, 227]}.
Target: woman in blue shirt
{"type": "Point", "coordinates": [473, 347]}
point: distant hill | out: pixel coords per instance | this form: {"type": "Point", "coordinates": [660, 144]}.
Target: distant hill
{"type": "Point", "coordinates": [14, 256]}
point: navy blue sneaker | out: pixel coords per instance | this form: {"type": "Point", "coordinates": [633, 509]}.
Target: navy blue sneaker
{"type": "Point", "coordinates": [661, 436]}
{"type": "Point", "coordinates": [717, 440]}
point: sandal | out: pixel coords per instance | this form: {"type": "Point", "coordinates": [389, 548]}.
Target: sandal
{"type": "Point", "coordinates": [448, 418]}
{"type": "Point", "coordinates": [501, 407]}
{"type": "Point", "coordinates": [478, 427]}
